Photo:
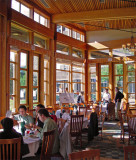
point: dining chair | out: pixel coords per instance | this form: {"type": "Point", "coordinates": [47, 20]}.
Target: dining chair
{"type": "Point", "coordinates": [101, 122]}
{"type": "Point", "coordinates": [76, 124]}
{"type": "Point", "coordinates": [47, 145]}
{"type": "Point", "coordinates": [61, 122]}
{"type": "Point", "coordinates": [10, 149]}
{"type": "Point", "coordinates": [132, 128]}
{"type": "Point", "coordinates": [85, 155]}
{"type": "Point", "coordinates": [111, 110]}
{"type": "Point", "coordinates": [129, 152]}
{"type": "Point", "coordinates": [83, 110]}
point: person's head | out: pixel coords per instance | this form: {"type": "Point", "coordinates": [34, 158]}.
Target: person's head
{"type": "Point", "coordinates": [106, 90]}
{"type": "Point", "coordinates": [66, 89]}
{"type": "Point", "coordinates": [7, 123]}
{"type": "Point", "coordinates": [116, 89]}
{"type": "Point", "coordinates": [43, 114]}
{"type": "Point", "coordinates": [39, 106]}
{"type": "Point", "coordinates": [82, 93]}
{"type": "Point", "coordinates": [22, 110]}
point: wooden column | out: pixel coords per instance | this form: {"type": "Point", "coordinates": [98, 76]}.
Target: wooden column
{"type": "Point", "coordinates": [86, 76]}
{"type": "Point", "coordinates": [97, 82]}
{"type": "Point", "coordinates": [41, 92]}
{"type": "Point", "coordinates": [125, 86]}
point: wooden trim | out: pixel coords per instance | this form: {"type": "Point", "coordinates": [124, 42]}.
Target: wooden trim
{"type": "Point", "coordinates": [86, 76]}
{"type": "Point", "coordinates": [41, 80]}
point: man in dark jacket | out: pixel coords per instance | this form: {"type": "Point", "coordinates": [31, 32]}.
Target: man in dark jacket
{"type": "Point", "coordinates": [118, 98]}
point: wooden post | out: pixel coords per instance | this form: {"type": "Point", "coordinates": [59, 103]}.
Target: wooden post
{"type": "Point", "coordinates": [86, 76]}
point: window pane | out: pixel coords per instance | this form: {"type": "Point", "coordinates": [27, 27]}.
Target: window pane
{"type": "Point", "coordinates": [35, 95]}
{"type": "Point", "coordinates": [59, 28]}
{"type": "Point", "coordinates": [131, 98]}
{"type": "Point", "coordinates": [93, 97]}
{"type": "Point", "coordinates": [15, 5]}
{"type": "Point", "coordinates": [93, 68]}
{"type": "Point", "coordinates": [76, 69]}
{"type": "Point", "coordinates": [23, 78]}
{"type": "Point", "coordinates": [35, 78]}
{"type": "Point", "coordinates": [60, 87]}
{"type": "Point", "coordinates": [25, 10]}
{"type": "Point", "coordinates": [119, 81]}
{"type": "Point", "coordinates": [104, 69]}
{"type": "Point", "coordinates": [78, 36]}
{"type": "Point", "coordinates": [78, 87]}
{"type": "Point", "coordinates": [12, 70]}
{"type": "Point", "coordinates": [35, 62]}
{"type": "Point", "coordinates": [62, 76]}
{"type": "Point", "coordinates": [74, 34]}
{"type": "Point", "coordinates": [62, 49]}
{"type": "Point", "coordinates": [118, 69]}
{"type": "Point", "coordinates": [12, 87]}
{"type": "Point", "coordinates": [77, 53]}
{"type": "Point", "coordinates": [104, 81]}
{"type": "Point", "coordinates": [93, 87]}
{"type": "Point", "coordinates": [93, 77]}
{"type": "Point", "coordinates": [22, 95]}
{"type": "Point", "coordinates": [42, 20]}
{"type": "Point", "coordinates": [46, 74]}
{"type": "Point", "coordinates": [12, 104]}
{"type": "Point", "coordinates": [12, 56]}
{"type": "Point", "coordinates": [131, 67]}
{"type": "Point", "coordinates": [65, 30]}
{"type": "Point", "coordinates": [131, 76]}
{"type": "Point", "coordinates": [62, 66]}
{"type": "Point", "coordinates": [77, 77]}
{"type": "Point", "coordinates": [23, 60]}
{"type": "Point", "coordinates": [57, 98]}
{"type": "Point", "coordinates": [131, 87]}
{"type": "Point", "coordinates": [41, 42]}
{"type": "Point", "coordinates": [19, 33]}
{"type": "Point", "coordinates": [46, 63]}
{"type": "Point", "coordinates": [36, 17]}
{"type": "Point", "coordinates": [46, 88]}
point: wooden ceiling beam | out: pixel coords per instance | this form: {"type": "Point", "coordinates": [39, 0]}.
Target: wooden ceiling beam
{"type": "Point", "coordinates": [97, 15]}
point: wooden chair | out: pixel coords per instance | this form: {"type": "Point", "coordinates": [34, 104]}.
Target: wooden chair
{"type": "Point", "coordinates": [61, 122]}
{"type": "Point", "coordinates": [100, 125]}
{"type": "Point", "coordinates": [83, 110]}
{"type": "Point", "coordinates": [85, 155]}
{"type": "Point", "coordinates": [47, 145]}
{"type": "Point", "coordinates": [132, 128]}
{"type": "Point", "coordinates": [10, 149]}
{"type": "Point", "coordinates": [124, 129]}
{"type": "Point", "coordinates": [76, 127]}
{"type": "Point", "coordinates": [111, 110]}
{"type": "Point", "coordinates": [129, 152]}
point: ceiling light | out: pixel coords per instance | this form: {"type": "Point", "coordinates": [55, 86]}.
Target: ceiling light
{"type": "Point", "coordinates": [97, 45]}
{"type": "Point", "coordinates": [131, 47]}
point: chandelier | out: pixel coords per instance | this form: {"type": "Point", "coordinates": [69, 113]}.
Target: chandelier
{"type": "Point", "coordinates": [131, 47]}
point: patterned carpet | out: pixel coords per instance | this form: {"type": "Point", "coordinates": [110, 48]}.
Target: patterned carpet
{"type": "Point", "coordinates": [111, 147]}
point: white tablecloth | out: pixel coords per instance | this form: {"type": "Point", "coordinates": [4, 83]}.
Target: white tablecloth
{"type": "Point", "coordinates": [33, 144]}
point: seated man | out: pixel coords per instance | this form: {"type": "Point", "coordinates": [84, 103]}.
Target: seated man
{"type": "Point", "coordinates": [9, 133]}
{"type": "Point", "coordinates": [49, 124]}
{"type": "Point", "coordinates": [23, 117]}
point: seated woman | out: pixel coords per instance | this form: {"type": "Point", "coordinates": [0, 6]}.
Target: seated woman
{"type": "Point", "coordinates": [9, 133]}
{"type": "Point", "coordinates": [24, 117]}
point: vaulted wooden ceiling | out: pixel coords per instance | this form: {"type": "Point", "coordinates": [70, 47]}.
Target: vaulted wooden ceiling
{"type": "Point", "coordinates": [92, 15]}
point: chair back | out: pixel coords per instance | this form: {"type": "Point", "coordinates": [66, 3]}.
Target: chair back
{"type": "Point", "coordinates": [76, 125]}
{"type": "Point", "coordinates": [129, 152]}
{"type": "Point", "coordinates": [47, 144]}
{"type": "Point", "coordinates": [83, 110]}
{"type": "Point", "coordinates": [111, 110]}
{"type": "Point", "coordinates": [10, 149]}
{"type": "Point", "coordinates": [87, 155]}
{"type": "Point", "coordinates": [61, 122]}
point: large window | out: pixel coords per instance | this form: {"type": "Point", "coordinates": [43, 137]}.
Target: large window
{"type": "Point", "coordinates": [118, 75]}
{"type": "Point", "coordinates": [62, 78]}
{"type": "Point", "coordinates": [92, 71]}
{"type": "Point", "coordinates": [131, 82]}
{"type": "Point", "coordinates": [104, 78]}
{"type": "Point", "coordinates": [13, 80]}
{"type": "Point", "coordinates": [77, 53]}
{"type": "Point", "coordinates": [63, 49]}
{"type": "Point", "coordinates": [23, 78]}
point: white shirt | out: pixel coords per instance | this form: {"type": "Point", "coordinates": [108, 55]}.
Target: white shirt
{"type": "Point", "coordinates": [106, 96]}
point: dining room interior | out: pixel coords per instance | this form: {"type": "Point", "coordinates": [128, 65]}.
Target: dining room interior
{"type": "Point", "coordinates": [76, 59]}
